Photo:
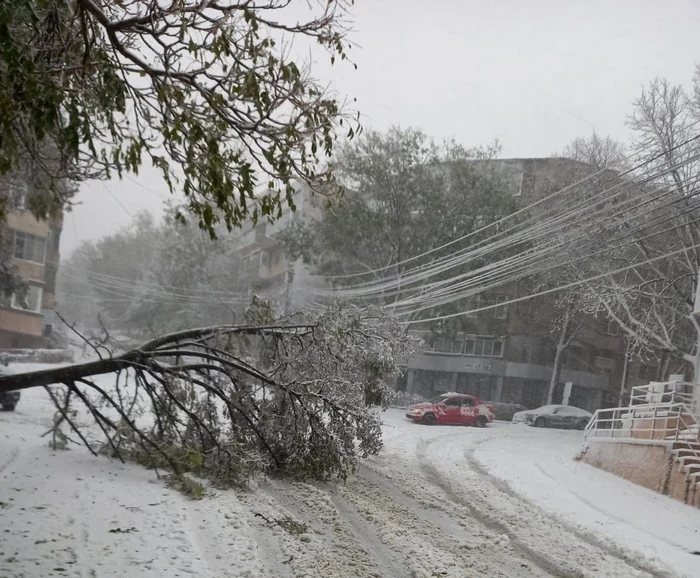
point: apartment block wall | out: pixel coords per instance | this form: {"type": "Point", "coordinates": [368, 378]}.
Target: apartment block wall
{"type": "Point", "coordinates": [21, 328]}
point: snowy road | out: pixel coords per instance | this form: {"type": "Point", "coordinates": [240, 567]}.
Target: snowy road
{"type": "Point", "coordinates": [455, 502]}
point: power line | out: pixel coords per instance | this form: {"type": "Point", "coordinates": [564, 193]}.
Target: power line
{"type": "Point", "coordinates": [520, 211]}
{"type": "Point", "coordinates": [540, 229]}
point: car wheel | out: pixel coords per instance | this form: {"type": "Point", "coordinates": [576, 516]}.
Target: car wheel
{"type": "Point", "coordinates": [540, 422]}
{"type": "Point", "coordinates": [9, 407]}
{"type": "Point", "coordinates": [582, 425]}
{"type": "Point", "coordinates": [429, 419]}
{"type": "Point", "coordinates": [481, 421]}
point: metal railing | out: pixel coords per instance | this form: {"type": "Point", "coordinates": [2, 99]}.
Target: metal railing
{"type": "Point", "coordinates": [672, 421]}
{"type": "Point", "coordinates": [657, 422]}
{"type": "Point", "coordinates": [666, 392]}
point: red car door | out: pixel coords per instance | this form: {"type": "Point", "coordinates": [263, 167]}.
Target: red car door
{"type": "Point", "coordinates": [451, 410]}
{"type": "Point", "coordinates": [468, 411]}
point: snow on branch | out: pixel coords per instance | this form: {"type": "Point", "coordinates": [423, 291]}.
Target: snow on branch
{"type": "Point", "coordinates": [228, 402]}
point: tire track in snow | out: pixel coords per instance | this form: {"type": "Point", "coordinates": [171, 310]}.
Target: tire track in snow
{"type": "Point", "coordinates": [611, 549]}
{"type": "Point", "coordinates": [446, 526]}
{"type": "Point", "coordinates": [386, 561]}
{"type": "Point", "coordinates": [523, 521]}
{"type": "Point", "coordinates": [535, 557]}
{"type": "Point", "coordinates": [330, 547]}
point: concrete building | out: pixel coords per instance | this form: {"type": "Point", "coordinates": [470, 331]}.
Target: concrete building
{"type": "Point", "coordinates": [262, 264]}
{"type": "Point", "coordinates": [507, 353]}
{"type": "Point", "coordinates": [504, 354]}
{"type": "Point", "coordinates": [35, 249]}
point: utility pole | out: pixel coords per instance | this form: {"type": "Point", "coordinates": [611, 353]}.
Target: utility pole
{"type": "Point", "coordinates": [625, 371]}
{"type": "Point", "coordinates": [696, 365]}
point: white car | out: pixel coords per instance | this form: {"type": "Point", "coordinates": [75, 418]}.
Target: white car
{"type": "Point", "coordinates": [561, 416]}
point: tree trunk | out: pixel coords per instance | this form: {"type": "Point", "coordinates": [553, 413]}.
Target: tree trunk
{"type": "Point", "coordinates": [67, 374]}
{"type": "Point", "coordinates": [625, 374]}
{"type": "Point", "coordinates": [556, 371]}
{"type": "Point", "coordinates": [561, 346]}
{"type": "Point", "coordinates": [696, 380]}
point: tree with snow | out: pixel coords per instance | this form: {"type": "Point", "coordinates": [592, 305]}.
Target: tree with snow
{"type": "Point", "coordinates": [101, 277]}
{"type": "Point", "coordinates": [191, 281]}
{"type": "Point", "coordinates": [599, 160]}
{"type": "Point", "coordinates": [227, 402]}
{"type": "Point", "coordinates": [658, 242]}
{"type": "Point", "coordinates": [404, 195]}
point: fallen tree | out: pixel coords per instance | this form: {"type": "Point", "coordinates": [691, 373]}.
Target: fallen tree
{"type": "Point", "coordinates": [231, 401]}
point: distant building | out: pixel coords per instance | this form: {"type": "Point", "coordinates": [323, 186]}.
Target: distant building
{"type": "Point", "coordinates": [262, 264]}
{"type": "Point", "coordinates": [35, 249]}
{"type": "Point", "coordinates": [507, 353]}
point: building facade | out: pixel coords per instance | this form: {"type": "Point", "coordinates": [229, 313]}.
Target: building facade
{"type": "Point", "coordinates": [27, 323]}
{"type": "Point", "coordinates": [263, 267]}
{"type": "Point", "coordinates": [507, 353]}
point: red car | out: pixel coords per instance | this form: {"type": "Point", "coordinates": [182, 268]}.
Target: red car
{"type": "Point", "coordinates": [452, 408]}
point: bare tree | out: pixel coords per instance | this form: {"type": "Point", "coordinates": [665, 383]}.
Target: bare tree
{"type": "Point", "coordinates": [658, 241]}
{"type": "Point", "coordinates": [599, 152]}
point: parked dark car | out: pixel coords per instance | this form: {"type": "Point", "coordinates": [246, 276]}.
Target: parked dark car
{"type": "Point", "coordinates": [561, 416]}
{"type": "Point", "coordinates": [8, 400]}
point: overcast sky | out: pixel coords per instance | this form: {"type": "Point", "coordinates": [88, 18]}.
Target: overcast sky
{"type": "Point", "coordinates": [533, 74]}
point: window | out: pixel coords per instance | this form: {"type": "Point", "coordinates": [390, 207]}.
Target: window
{"type": "Point", "coordinates": [265, 259]}
{"type": "Point", "coordinates": [612, 328]}
{"type": "Point", "coordinates": [473, 302]}
{"type": "Point", "coordinates": [29, 247]}
{"type": "Point", "coordinates": [469, 344]}
{"type": "Point", "coordinates": [478, 301]}
{"type": "Point", "coordinates": [481, 346]}
{"type": "Point", "coordinates": [276, 259]}
{"type": "Point", "coordinates": [22, 196]}
{"type": "Point", "coordinates": [454, 401]}
{"type": "Point", "coordinates": [442, 345]}
{"type": "Point", "coordinates": [31, 302]}
{"type": "Point", "coordinates": [605, 365]}
{"type": "Point", "coordinates": [50, 279]}
{"type": "Point", "coordinates": [48, 321]}
{"type": "Point", "coordinates": [254, 260]}
{"type": "Point", "coordinates": [497, 348]}
{"type": "Point", "coordinates": [500, 312]}
{"type": "Point", "coordinates": [54, 239]}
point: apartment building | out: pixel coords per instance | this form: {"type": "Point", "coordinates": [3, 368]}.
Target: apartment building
{"type": "Point", "coordinates": [35, 248]}
{"type": "Point", "coordinates": [507, 353]}
{"type": "Point", "coordinates": [262, 264]}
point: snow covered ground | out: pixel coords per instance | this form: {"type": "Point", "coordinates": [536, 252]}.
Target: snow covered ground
{"type": "Point", "coordinates": [456, 502]}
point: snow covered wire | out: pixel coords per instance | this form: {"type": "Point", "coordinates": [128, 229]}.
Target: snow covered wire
{"type": "Point", "coordinates": [556, 223]}
{"type": "Point", "coordinates": [525, 263]}
{"type": "Point", "coordinates": [565, 190]}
